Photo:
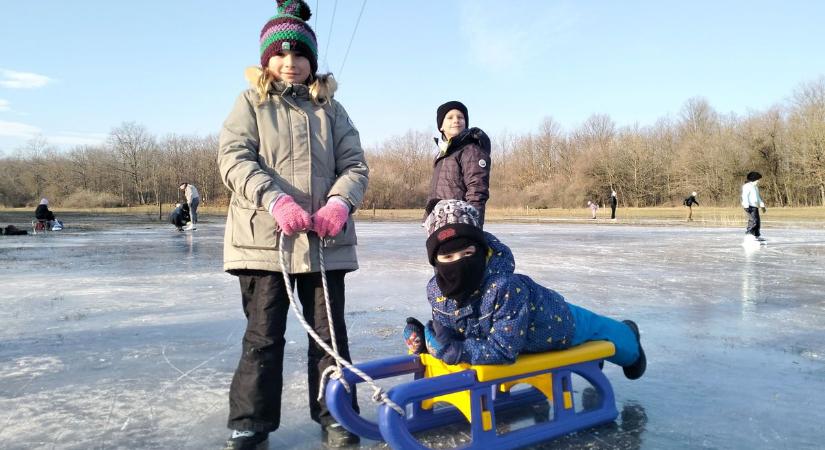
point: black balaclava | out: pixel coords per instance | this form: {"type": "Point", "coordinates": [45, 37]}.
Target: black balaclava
{"type": "Point", "coordinates": [461, 278]}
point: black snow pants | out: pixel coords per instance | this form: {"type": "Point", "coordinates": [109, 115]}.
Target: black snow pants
{"type": "Point", "coordinates": [753, 221]}
{"type": "Point", "coordinates": [255, 392]}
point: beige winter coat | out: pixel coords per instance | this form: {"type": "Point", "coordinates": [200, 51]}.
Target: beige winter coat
{"type": "Point", "coordinates": [288, 145]}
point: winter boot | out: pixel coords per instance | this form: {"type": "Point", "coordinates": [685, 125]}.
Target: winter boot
{"type": "Point", "coordinates": [336, 436]}
{"type": "Point", "coordinates": [247, 440]}
{"type": "Point", "coordinates": [637, 369]}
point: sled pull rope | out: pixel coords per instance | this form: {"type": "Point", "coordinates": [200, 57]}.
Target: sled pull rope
{"type": "Point", "coordinates": [332, 371]}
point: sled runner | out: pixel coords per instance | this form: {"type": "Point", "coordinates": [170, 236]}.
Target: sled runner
{"type": "Point", "coordinates": [477, 393]}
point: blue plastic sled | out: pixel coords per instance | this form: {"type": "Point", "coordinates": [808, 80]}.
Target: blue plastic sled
{"type": "Point", "coordinates": [476, 394]}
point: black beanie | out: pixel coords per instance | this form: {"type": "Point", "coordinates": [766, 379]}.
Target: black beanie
{"type": "Point", "coordinates": [753, 176]}
{"type": "Point", "coordinates": [447, 107]}
{"type": "Point", "coordinates": [444, 236]}
{"type": "Point", "coordinates": [452, 220]}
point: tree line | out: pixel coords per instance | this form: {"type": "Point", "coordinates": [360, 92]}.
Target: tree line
{"type": "Point", "coordinates": [699, 150]}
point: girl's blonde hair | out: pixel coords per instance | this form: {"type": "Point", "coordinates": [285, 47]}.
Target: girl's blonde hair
{"type": "Point", "coordinates": [321, 88]}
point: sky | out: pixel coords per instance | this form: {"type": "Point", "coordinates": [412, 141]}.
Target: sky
{"type": "Point", "coordinates": [70, 72]}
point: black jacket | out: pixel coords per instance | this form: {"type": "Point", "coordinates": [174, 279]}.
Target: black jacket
{"type": "Point", "coordinates": [180, 215]}
{"type": "Point", "coordinates": [463, 171]}
{"type": "Point", "coordinates": [42, 213]}
{"type": "Point", "coordinates": [690, 201]}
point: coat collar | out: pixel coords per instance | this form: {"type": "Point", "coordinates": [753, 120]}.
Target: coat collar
{"type": "Point", "coordinates": [286, 89]}
{"type": "Point", "coordinates": [469, 136]}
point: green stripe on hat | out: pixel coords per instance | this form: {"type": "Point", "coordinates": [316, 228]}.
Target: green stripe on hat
{"type": "Point", "coordinates": [289, 35]}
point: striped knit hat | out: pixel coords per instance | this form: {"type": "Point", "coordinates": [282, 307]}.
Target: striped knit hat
{"type": "Point", "coordinates": [288, 31]}
{"type": "Point", "coordinates": [452, 220]}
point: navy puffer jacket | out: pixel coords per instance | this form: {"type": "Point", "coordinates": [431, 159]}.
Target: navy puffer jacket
{"type": "Point", "coordinates": [509, 315]}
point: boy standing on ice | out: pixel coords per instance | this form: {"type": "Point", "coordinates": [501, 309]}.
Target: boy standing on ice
{"type": "Point", "coordinates": [461, 169]}
{"type": "Point", "coordinates": [752, 201]}
{"type": "Point", "coordinates": [484, 313]}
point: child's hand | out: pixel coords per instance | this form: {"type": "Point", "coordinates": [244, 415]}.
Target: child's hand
{"type": "Point", "coordinates": [329, 220]}
{"type": "Point", "coordinates": [434, 346]}
{"type": "Point", "coordinates": [289, 215]}
{"type": "Point", "coordinates": [443, 343]}
{"type": "Point", "coordinates": [414, 336]}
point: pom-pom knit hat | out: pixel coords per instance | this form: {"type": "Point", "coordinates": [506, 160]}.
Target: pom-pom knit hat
{"type": "Point", "coordinates": [288, 31]}
{"type": "Point", "coordinates": [451, 220]}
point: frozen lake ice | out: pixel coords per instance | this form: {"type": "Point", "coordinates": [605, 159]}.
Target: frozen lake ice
{"type": "Point", "coordinates": [128, 337]}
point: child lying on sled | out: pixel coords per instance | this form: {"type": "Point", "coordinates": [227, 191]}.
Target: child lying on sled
{"type": "Point", "coordinates": [484, 313]}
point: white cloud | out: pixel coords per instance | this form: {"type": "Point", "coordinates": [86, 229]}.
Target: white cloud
{"type": "Point", "coordinates": [4, 105]}
{"type": "Point", "coordinates": [18, 129]}
{"type": "Point", "coordinates": [509, 40]}
{"type": "Point", "coordinates": [23, 132]}
{"type": "Point", "coordinates": [71, 138]}
{"type": "Point", "coordinates": [22, 80]}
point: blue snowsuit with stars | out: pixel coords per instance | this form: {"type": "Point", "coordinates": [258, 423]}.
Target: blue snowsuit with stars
{"type": "Point", "coordinates": [512, 314]}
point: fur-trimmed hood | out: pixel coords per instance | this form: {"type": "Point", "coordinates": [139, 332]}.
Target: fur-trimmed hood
{"type": "Point", "coordinates": [323, 88]}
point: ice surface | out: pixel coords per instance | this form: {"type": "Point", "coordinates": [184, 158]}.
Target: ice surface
{"type": "Point", "coordinates": [128, 337]}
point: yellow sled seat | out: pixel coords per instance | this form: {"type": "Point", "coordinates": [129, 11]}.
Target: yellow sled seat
{"type": "Point", "coordinates": [536, 369]}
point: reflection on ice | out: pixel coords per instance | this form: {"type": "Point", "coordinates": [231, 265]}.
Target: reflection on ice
{"type": "Point", "coordinates": [128, 337]}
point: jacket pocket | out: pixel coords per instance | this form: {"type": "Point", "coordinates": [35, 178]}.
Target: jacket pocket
{"type": "Point", "coordinates": [345, 237]}
{"type": "Point", "coordinates": [253, 227]}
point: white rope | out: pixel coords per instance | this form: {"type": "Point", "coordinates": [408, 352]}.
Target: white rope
{"type": "Point", "coordinates": [329, 316]}
{"type": "Point", "coordinates": [332, 371]}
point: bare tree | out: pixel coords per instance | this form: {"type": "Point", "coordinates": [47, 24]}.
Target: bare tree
{"type": "Point", "coordinates": [696, 150]}
{"type": "Point", "coordinates": [135, 148]}
{"type": "Point", "coordinates": [807, 126]}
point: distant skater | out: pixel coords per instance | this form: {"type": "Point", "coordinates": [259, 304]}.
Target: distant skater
{"type": "Point", "coordinates": [593, 208]}
{"type": "Point", "coordinates": [689, 202]}
{"type": "Point", "coordinates": [614, 202]}
{"type": "Point", "coordinates": [752, 202]}
{"type": "Point", "coordinates": [179, 216]}
{"type": "Point", "coordinates": [193, 199]}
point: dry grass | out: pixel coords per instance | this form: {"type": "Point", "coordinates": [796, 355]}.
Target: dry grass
{"type": "Point", "coordinates": [706, 216]}
{"type": "Point", "coordinates": [813, 217]}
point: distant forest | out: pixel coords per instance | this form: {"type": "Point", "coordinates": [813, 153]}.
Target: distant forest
{"type": "Point", "coordinates": [699, 150]}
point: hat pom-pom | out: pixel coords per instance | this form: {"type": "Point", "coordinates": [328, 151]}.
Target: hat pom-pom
{"type": "Point", "coordinates": [297, 8]}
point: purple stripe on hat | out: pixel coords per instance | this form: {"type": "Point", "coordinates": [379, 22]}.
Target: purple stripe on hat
{"type": "Point", "coordinates": [283, 23]}
{"type": "Point", "coordinates": [284, 28]}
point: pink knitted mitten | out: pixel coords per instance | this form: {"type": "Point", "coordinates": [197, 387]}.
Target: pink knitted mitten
{"type": "Point", "coordinates": [329, 220]}
{"type": "Point", "coordinates": [289, 215]}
